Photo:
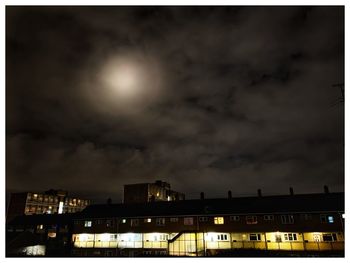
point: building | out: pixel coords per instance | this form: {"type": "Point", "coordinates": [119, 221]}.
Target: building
{"type": "Point", "coordinates": [50, 202]}
{"type": "Point", "coordinates": [304, 224]}
{"type": "Point", "coordinates": [291, 223]}
{"type": "Point", "coordinates": [148, 192]}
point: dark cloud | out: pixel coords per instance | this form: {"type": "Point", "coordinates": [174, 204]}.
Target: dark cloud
{"type": "Point", "coordinates": [245, 99]}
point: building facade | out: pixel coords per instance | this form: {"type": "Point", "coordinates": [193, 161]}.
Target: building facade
{"type": "Point", "coordinates": [310, 223]}
{"type": "Point", "coordinates": [148, 192]}
{"type": "Point", "coordinates": [49, 202]}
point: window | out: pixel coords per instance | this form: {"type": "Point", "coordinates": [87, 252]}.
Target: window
{"type": "Point", "coordinates": [188, 221]}
{"type": "Point", "coordinates": [148, 220]}
{"type": "Point", "coordinates": [305, 217]}
{"type": "Point", "coordinates": [329, 237]}
{"type": "Point", "coordinates": [287, 219]}
{"type": "Point", "coordinates": [203, 219]}
{"type": "Point", "coordinates": [278, 237]}
{"type": "Point", "coordinates": [109, 223]}
{"type": "Point", "coordinates": [160, 221]}
{"type": "Point", "coordinates": [250, 220]}
{"type": "Point", "coordinates": [222, 237]}
{"type": "Point", "coordinates": [88, 223]}
{"type": "Point", "coordinates": [327, 219]}
{"type": "Point", "coordinates": [290, 237]}
{"type": "Point", "coordinates": [174, 219]}
{"type": "Point", "coordinates": [255, 237]}
{"type": "Point", "coordinates": [330, 219]}
{"type": "Point", "coordinates": [234, 218]}
{"type": "Point", "coordinates": [134, 222]}
{"type": "Point", "coordinates": [218, 220]}
{"type": "Point", "coordinates": [268, 217]}
{"type": "Point", "coordinates": [39, 227]}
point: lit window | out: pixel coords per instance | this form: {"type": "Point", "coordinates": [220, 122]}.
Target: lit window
{"type": "Point", "coordinates": [255, 237]}
{"type": "Point", "coordinates": [268, 217]}
{"type": "Point", "coordinates": [174, 219]}
{"type": "Point", "coordinates": [251, 220]}
{"type": "Point", "coordinates": [287, 219]}
{"type": "Point", "coordinates": [327, 219]}
{"type": "Point", "coordinates": [51, 234]}
{"type": "Point", "coordinates": [160, 221]}
{"type": "Point", "coordinates": [218, 220]}
{"type": "Point", "coordinates": [148, 220]}
{"type": "Point", "coordinates": [188, 221]}
{"type": "Point", "coordinates": [123, 221]}
{"type": "Point", "coordinates": [234, 218]}
{"type": "Point", "coordinates": [290, 237]}
{"type": "Point", "coordinates": [330, 219]}
{"type": "Point", "coordinates": [88, 223]}
{"type": "Point", "coordinates": [39, 227]}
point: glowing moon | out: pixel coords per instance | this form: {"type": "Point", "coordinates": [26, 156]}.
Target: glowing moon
{"type": "Point", "coordinates": [129, 81]}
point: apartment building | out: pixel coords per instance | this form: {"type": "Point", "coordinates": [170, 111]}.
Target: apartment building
{"type": "Point", "coordinates": [311, 223]}
{"type": "Point", "coordinates": [150, 192]}
{"type": "Point", "coordinates": [49, 202]}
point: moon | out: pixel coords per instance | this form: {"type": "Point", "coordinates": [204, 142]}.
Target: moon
{"type": "Point", "coordinates": [130, 81]}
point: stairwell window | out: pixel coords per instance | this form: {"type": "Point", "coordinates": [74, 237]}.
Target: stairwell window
{"type": "Point", "coordinates": [218, 220]}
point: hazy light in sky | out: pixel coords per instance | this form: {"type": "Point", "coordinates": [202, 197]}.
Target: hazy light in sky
{"type": "Point", "coordinates": [127, 82]}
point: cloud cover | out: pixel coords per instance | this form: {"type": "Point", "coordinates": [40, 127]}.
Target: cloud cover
{"type": "Point", "coordinates": [245, 103]}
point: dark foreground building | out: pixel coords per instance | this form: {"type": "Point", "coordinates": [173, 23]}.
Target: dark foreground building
{"type": "Point", "coordinates": [306, 223]}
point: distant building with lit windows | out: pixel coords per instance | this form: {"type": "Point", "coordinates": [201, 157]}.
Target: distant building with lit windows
{"type": "Point", "coordinates": [49, 202]}
{"type": "Point", "coordinates": [149, 192]}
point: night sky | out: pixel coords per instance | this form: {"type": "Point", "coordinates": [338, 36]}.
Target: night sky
{"type": "Point", "coordinates": [208, 99]}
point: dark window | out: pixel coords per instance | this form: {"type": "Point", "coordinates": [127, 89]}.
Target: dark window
{"type": "Point", "coordinates": [255, 237]}
{"type": "Point", "coordinates": [250, 220]}
{"type": "Point", "coordinates": [287, 219]}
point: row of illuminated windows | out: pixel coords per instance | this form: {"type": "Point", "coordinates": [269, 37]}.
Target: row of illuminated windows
{"type": "Point", "coordinates": [37, 209]}
{"type": "Point", "coordinates": [285, 219]}
{"type": "Point", "coordinates": [55, 199]}
{"type": "Point", "coordinates": [209, 237]}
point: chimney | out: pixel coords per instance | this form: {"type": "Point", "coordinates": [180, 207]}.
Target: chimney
{"type": "Point", "coordinates": [291, 191]}
{"type": "Point", "coordinates": [259, 193]}
{"type": "Point", "coordinates": [326, 190]}
{"type": "Point", "coordinates": [229, 193]}
{"type": "Point", "coordinates": [202, 195]}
